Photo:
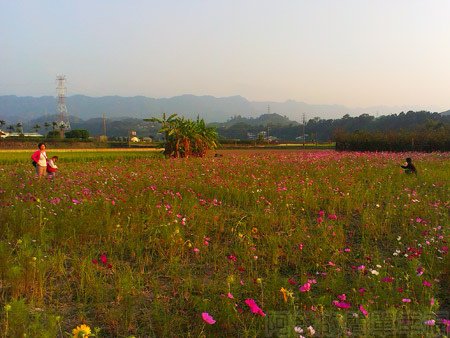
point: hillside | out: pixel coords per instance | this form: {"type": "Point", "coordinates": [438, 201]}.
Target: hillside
{"type": "Point", "coordinates": [13, 108]}
{"type": "Point", "coordinates": [263, 120]}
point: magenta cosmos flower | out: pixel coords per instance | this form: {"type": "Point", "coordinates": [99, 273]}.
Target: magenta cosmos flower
{"type": "Point", "coordinates": [207, 318]}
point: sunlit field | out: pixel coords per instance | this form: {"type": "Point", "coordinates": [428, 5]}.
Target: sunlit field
{"type": "Point", "coordinates": [273, 244]}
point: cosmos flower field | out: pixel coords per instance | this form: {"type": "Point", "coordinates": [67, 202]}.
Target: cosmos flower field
{"type": "Point", "coordinates": [274, 244]}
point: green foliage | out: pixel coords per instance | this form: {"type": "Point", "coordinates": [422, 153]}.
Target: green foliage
{"type": "Point", "coordinates": [432, 136]}
{"type": "Point", "coordinates": [186, 138]}
{"type": "Point", "coordinates": [322, 130]}
{"type": "Point", "coordinates": [81, 134]}
{"type": "Point", "coordinates": [54, 134]}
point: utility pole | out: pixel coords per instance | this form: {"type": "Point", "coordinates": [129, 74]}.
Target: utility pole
{"type": "Point", "coordinates": [304, 121]}
{"type": "Point", "coordinates": [104, 126]}
{"type": "Point", "coordinates": [62, 109]}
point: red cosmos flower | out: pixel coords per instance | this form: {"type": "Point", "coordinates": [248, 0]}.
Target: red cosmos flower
{"type": "Point", "coordinates": [103, 259]}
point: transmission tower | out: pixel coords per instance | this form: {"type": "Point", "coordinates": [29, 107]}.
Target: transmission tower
{"type": "Point", "coordinates": [64, 123]}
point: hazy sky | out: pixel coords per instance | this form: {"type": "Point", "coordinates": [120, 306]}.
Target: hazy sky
{"type": "Point", "coordinates": [351, 52]}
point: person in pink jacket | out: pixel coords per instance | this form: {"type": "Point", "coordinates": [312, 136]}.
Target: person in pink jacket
{"type": "Point", "coordinates": [40, 157]}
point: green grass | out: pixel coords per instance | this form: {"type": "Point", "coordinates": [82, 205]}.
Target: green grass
{"type": "Point", "coordinates": [24, 157]}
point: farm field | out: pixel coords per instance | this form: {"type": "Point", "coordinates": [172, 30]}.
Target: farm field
{"type": "Point", "coordinates": [251, 244]}
{"type": "Point", "coordinates": [78, 155]}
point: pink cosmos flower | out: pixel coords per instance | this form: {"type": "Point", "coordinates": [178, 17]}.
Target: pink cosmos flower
{"type": "Point", "coordinates": [291, 282]}
{"type": "Point", "coordinates": [319, 219]}
{"type": "Point", "coordinates": [306, 287]}
{"type": "Point", "coordinates": [254, 308]}
{"type": "Point", "coordinates": [321, 213]}
{"type": "Point", "coordinates": [207, 318]}
{"type": "Point", "coordinates": [332, 217]}
{"type": "Point", "coordinates": [406, 300]}
{"type": "Point", "coordinates": [446, 322]}
{"type": "Point", "coordinates": [430, 322]}
{"type": "Point", "coordinates": [94, 261]}
{"type": "Point", "coordinates": [364, 312]}
{"type": "Point", "coordinates": [341, 305]}
{"type": "Point", "coordinates": [230, 296]}
{"type": "Point", "coordinates": [426, 283]}
{"type": "Point", "coordinates": [196, 250]}
{"type": "Point", "coordinates": [342, 297]}
{"type": "Point", "coordinates": [387, 279]}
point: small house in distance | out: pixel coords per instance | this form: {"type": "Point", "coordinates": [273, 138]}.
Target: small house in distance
{"type": "Point", "coordinates": [5, 134]}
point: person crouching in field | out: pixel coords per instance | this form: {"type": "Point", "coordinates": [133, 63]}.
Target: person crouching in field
{"type": "Point", "coordinates": [409, 167]}
{"type": "Point", "coordinates": [40, 161]}
{"type": "Point", "coordinates": [51, 167]}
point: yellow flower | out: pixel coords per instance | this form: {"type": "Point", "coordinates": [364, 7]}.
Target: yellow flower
{"type": "Point", "coordinates": [254, 230]}
{"type": "Point", "coordinates": [81, 331]}
{"type": "Point", "coordinates": [283, 291]}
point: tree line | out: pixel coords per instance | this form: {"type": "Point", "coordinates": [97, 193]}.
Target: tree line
{"type": "Point", "coordinates": [323, 130]}
{"type": "Point", "coordinates": [431, 136]}
{"type": "Point", "coordinates": [55, 132]}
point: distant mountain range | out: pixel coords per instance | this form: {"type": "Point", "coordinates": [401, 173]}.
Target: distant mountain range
{"type": "Point", "coordinates": [14, 108]}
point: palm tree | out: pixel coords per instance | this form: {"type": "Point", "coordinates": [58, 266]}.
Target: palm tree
{"type": "Point", "coordinates": [46, 126]}
{"type": "Point", "coordinates": [37, 127]}
{"type": "Point", "coordinates": [55, 125]}
{"type": "Point", "coordinates": [19, 127]}
{"type": "Point", "coordinates": [167, 125]}
{"type": "Point", "coordinates": [185, 138]}
{"type": "Point", "coordinates": [10, 128]}
{"type": "Point", "coordinates": [62, 127]}
{"type": "Point", "coordinates": [2, 123]}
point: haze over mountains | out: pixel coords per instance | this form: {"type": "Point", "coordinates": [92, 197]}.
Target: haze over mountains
{"type": "Point", "coordinates": [212, 109]}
